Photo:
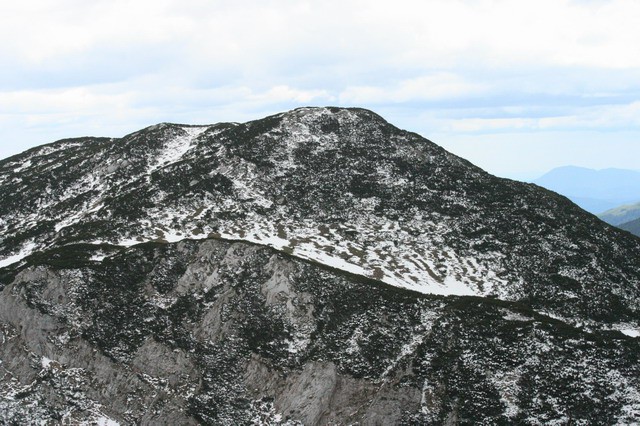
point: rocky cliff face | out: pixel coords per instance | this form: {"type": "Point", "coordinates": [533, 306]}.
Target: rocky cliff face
{"type": "Point", "coordinates": [221, 332]}
{"type": "Point", "coordinates": [318, 266]}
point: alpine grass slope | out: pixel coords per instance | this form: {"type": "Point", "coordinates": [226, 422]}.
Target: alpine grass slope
{"type": "Point", "coordinates": [312, 267]}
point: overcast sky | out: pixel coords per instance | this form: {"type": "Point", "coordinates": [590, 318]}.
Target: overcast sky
{"type": "Point", "coordinates": [517, 87]}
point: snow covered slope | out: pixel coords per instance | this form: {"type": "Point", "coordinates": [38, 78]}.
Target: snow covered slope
{"type": "Point", "coordinates": [341, 187]}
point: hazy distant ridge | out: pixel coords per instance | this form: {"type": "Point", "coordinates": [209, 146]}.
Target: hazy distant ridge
{"type": "Point", "coordinates": [622, 214]}
{"type": "Point", "coordinates": [594, 190]}
{"type": "Point", "coordinates": [632, 226]}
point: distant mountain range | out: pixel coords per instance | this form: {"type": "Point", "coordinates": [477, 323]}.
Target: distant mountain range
{"type": "Point", "coordinates": [594, 190]}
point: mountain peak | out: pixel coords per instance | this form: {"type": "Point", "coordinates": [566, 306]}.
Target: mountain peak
{"type": "Point", "coordinates": [335, 185]}
{"type": "Point", "coordinates": [321, 120]}
{"type": "Point", "coordinates": [319, 264]}
{"type": "Point", "coordinates": [353, 112]}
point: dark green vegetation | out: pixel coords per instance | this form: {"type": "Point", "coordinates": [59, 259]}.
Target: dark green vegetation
{"type": "Point", "coordinates": [463, 359]}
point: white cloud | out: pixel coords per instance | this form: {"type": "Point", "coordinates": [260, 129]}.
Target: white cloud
{"type": "Point", "coordinates": [73, 100]}
{"type": "Point", "coordinates": [429, 87]}
{"type": "Point", "coordinates": [38, 30]}
{"type": "Point", "coordinates": [438, 66]}
{"type": "Point", "coordinates": [285, 93]}
{"type": "Point", "coordinates": [413, 32]}
{"type": "Point", "coordinates": [602, 118]}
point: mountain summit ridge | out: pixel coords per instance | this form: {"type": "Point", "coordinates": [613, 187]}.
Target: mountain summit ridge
{"type": "Point", "coordinates": [338, 186]}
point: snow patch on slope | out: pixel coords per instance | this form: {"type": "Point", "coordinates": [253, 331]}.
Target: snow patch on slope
{"type": "Point", "coordinates": [336, 254]}
{"type": "Point", "coordinates": [72, 220]}
{"type": "Point", "coordinates": [631, 332]}
{"type": "Point", "coordinates": [106, 421]}
{"type": "Point", "coordinates": [25, 165]}
{"type": "Point", "coordinates": [26, 251]}
{"type": "Point", "coordinates": [176, 148]}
